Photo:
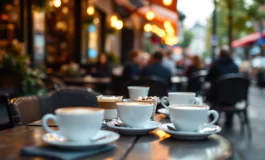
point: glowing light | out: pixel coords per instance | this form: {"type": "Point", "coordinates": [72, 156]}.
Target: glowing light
{"type": "Point", "coordinates": [167, 24]}
{"type": "Point", "coordinates": [161, 33]}
{"type": "Point", "coordinates": [150, 15]}
{"type": "Point", "coordinates": [65, 10]}
{"type": "Point", "coordinates": [154, 28]}
{"type": "Point", "coordinates": [113, 20]}
{"type": "Point", "coordinates": [167, 2]}
{"type": "Point", "coordinates": [90, 10]}
{"type": "Point", "coordinates": [147, 27]}
{"type": "Point", "coordinates": [57, 3]}
{"type": "Point", "coordinates": [96, 20]}
{"type": "Point", "coordinates": [65, 1]}
{"type": "Point", "coordinates": [119, 24]}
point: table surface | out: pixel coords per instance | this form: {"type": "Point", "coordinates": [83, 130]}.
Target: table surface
{"type": "Point", "coordinates": [156, 145]}
{"type": "Point", "coordinates": [87, 80]}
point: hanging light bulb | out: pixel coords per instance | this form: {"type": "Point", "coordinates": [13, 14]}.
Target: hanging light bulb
{"type": "Point", "coordinates": [161, 33]}
{"type": "Point", "coordinates": [119, 24]}
{"type": "Point", "coordinates": [90, 10]}
{"type": "Point", "coordinates": [65, 10]}
{"type": "Point", "coordinates": [147, 27]}
{"type": "Point", "coordinates": [167, 2]}
{"type": "Point", "coordinates": [113, 20]}
{"type": "Point", "coordinates": [167, 24]}
{"type": "Point", "coordinates": [57, 3]}
{"type": "Point", "coordinates": [150, 15]}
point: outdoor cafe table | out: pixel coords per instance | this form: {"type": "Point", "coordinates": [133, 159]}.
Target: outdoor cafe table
{"type": "Point", "coordinates": [157, 145]}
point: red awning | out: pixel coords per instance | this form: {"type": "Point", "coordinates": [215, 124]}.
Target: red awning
{"type": "Point", "coordinates": [248, 39]}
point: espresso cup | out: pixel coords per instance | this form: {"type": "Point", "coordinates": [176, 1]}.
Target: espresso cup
{"type": "Point", "coordinates": [191, 117]}
{"type": "Point", "coordinates": [135, 114]}
{"type": "Point", "coordinates": [108, 103]}
{"type": "Point", "coordinates": [180, 98]}
{"type": "Point", "coordinates": [138, 91]}
{"type": "Point", "coordinates": [75, 123]}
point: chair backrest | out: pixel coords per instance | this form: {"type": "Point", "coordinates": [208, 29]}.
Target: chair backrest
{"type": "Point", "coordinates": [230, 89]}
{"type": "Point", "coordinates": [25, 110]}
{"type": "Point", "coordinates": [196, 81]}
{"type": "Point", "coordinates": [158, 87]}
{"type": "Point", "coordinates": [117, 82]}
{"type": "Point", "coordinates": [5, 113]}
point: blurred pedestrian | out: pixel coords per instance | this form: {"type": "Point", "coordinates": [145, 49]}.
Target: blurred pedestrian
{"type": "Point", "coordinates": [102, 68]}
{"type": "Point", "coordinates": [157, 69]}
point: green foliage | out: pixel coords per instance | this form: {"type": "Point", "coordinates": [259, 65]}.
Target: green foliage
{"type": "Point", "coordinates": [187, 38]}
{"type": "Point", "coordinates": [18, 68]}
{"type": "Point", "coordinates": [113, 59]}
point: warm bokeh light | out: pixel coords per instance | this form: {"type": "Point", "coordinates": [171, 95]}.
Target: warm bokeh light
{"type": "Point", "coordinates": [147, 27]}
{"type": "Point", "coordinates": [171, 40]}
{"type": "Point", "coordinates": [167, 2]}
{"type": "Point", "coordinates": [65, 1]}
{"type": "Point", "coordinates": [167, 24]}
{"type": "Point", "coordinates": [113, 20]}
{"type": "Point", "coordinates": [150, 15]}
{"type": "Point", "coordinates": [119, 24]}
{"type": "Point", "coordinates": [57, 3]}
{"type": "Point", "coordinates": [154, 28]}
{"type": "Point", "coordinates": [161, 33]}
{"type": "Point", "coordinates": [96, 21]}
{"type": "Point", "coordinates": [90, 10]}
{"type": "Point", "coordinates": [65, 10]}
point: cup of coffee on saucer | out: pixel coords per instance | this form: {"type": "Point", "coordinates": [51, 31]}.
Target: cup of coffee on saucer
{"type": "Point", "coordinates": [151, 99]}
{"type": "Point", "coordinates": [135, 114]}
{"type": "Point", "coordinates": [180, 98]}
{"type": "Point", "coordinates": [138, 91]}
{"type": "Point", "coordinates": [108, 103]}
{"type": "Point", "coordinates": [75, 123]}
{"type": "Point", "coordinates": [191, 118]}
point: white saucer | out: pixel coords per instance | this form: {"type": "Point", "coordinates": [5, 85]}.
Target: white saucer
{"type": "Point", "coordinates": [163, 111]}
{"type": "Point", "coordinates": [56, 140]}
{"type": "Point", "coordinates": [151, 125]}
{"type": "Point", "coordinates": [188, 135]}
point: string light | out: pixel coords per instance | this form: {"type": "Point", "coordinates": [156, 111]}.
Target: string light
{"type": "Point", "coordinates": [119, 24]}
{"type": "Point", "coordinates": [167, 2]}
{"type": "Point", "coordinates": [57, 3]}
{"type": "Point", "coordinates": [65, 10]}
{"type": "Point", "coordinates": [90, 10]}
{"type": "Point", "coordinates": [150, 15]}
{"type": "Point", "coordinates": [147, 27]}
{"type": "Point", "coordinates": [167, 24]}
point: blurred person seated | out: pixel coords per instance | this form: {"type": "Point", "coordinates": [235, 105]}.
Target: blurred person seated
{"type": "Point", "coordinates": [102, 68]}
{"type": "Point", "coordinates": [169, 63]}
{"type": "Point", "coordinates": [144, 60]}
{"type": "Point", "coordinates": [157, 69]}
{"type": "Point", "coordinates": [197, 64]}
{"type": "Point", "coordinates": [223, 65]}
{"type": "Point", "coordinates": [132, 69]}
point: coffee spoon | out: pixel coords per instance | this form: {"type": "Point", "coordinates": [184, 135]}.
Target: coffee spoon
{"type": "Point", "coordinates": [118, 123]}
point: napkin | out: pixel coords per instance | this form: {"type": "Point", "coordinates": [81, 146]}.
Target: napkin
{"type": "Point", "coordinates": [49, 152]}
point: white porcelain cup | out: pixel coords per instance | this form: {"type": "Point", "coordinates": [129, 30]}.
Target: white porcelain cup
{"type": "Point", "coordinates": [75, 123]}
{"type": "Point", "coordinates": [180, 98]}
{"type": "Point", "coordinates": [191, 117]}
{"type": "Point", "coordinates": [138, 91]}
{"type": "Point", "coordinates": [135, 114]}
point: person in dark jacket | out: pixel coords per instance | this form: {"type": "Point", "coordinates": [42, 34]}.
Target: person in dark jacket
{"type": "Point", "coordinates": [132, 69]}
{"type": "Point", "coordinates": [157, 69]}
{"type": "Point", "coordinates": [223, 65]}
{"type": "Point", "coordinates": [197, 64]}
{"type": "Point", "coordinates": [102, 68]}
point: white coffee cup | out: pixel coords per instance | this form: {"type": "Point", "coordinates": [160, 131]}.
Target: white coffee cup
{"type": "Point", "coordinates": [191, 117]}
{"type": "Point", "coordinates": [180, 98]}
{"type": "Point", "coordinates": [75, 123]}
{"type": "Point", "coordinates": [138, 91]}
{"type": "Point", "coordinates": [135, 114]}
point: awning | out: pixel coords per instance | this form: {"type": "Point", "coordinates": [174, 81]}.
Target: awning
{"type": "Point", "coordinates": [248, 39]}
{"type": "Point", "coordinates": [162, 14]}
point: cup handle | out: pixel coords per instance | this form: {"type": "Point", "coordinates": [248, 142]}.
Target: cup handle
{"type": "Point", "coordinates": [162, 102]}
{"type": "Point", "coordinates": [196, 100]}
{"type": "Point", "coordinates": [44, 121]}
{"type": "Point", "coordinates": [216, 116]}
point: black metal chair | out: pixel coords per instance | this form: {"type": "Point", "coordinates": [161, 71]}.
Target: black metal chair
{"type": "Point", "coordinates": [196, 82]}
{"type": "Point", "coordinates": [229, 90]}
{"type": "Point", "coordinates": [158, 87]}
{"type": "Point", "coordinates": [5, 113]}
